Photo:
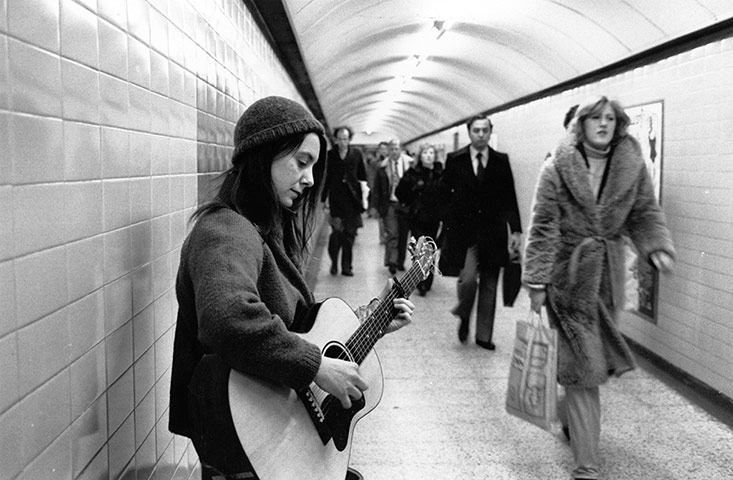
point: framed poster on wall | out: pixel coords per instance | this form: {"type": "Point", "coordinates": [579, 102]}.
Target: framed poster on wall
{"type": "Point", "coordinates": [642, 280]}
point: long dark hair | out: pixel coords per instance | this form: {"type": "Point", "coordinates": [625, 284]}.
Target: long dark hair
{"type": "Point", "coordinates": [247, 189]}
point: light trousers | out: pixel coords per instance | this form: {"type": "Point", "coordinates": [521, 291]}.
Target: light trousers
{"type": "Point", "coordinates": [395, 231]}
{"type": "Point", "coordinates": [583, 410]}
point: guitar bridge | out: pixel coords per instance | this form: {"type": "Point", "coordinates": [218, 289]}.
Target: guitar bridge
{"type": "Point", "coordinates": [316, 413]}
{"type": "Point", "coordinates": [333, 424]}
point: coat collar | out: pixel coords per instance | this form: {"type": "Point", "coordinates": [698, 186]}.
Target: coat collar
{"type": "Point", "coordinates": [625, 165]}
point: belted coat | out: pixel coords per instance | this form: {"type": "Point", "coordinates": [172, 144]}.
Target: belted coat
{"type": "Point", "coordinates": [575, 247]}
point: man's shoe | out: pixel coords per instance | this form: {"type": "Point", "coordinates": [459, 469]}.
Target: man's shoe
{"type": "Point", "coordinates": [486, 345]}
{"type": "Point", "coordinates": [347, 273]}
{"type": "Point", "coordinates": [463, 330]}
{"type": "Point", "coordinates": [401, 268]}
{"type": "Point", "coordinates": [334, 270]}
{"type": "Point", "coordinates": [353, 474]}
{"type": "Point", "coordinates": [392, 269]}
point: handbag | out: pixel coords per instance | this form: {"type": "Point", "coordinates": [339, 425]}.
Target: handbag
{"type": "Point", "coordinates": [532, 388]}
{"type": "Point", "coordinates": [511, 279]}
{"type": "Point", "coordinates": [452, 256]}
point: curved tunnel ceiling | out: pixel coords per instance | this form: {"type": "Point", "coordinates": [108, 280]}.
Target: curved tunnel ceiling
{"type": "Point", "coordinates": [490, 52]}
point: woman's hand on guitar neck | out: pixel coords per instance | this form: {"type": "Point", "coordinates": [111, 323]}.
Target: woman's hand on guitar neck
{"type": "Point", "coordinates": [404, 306]}
{"type": "Point", "coordinates": [341, 379]}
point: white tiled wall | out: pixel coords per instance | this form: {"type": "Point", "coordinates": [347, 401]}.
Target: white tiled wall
{"type": "Point", "coordinates": [111, 113]}
{"type": "Point", "coordinates": [694, 330]}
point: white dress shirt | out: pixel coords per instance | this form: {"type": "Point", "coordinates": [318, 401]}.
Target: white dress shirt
{"type": "Point", "coordinates": [474, 161]}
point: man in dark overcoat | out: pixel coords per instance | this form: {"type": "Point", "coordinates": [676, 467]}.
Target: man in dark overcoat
{"type": "Point", "coordinates": [481, 209]}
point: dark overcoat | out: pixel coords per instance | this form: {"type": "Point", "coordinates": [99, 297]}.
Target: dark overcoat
{"type": "Point", "coordinates": [477, 213]}
{"type": "Point", "coordinates": [419, 193]}
{"type": "Point", "coordinates": [575, 247]}
{"type": "Point", "coordinates": [342, 187]}
{"type": "Point", "coordinates": [380, 192]}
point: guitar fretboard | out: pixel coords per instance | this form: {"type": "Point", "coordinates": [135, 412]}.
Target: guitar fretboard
{"type": "Point", "coordinates": [372, 329]}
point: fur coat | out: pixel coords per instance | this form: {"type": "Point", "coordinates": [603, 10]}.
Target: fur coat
{"type": "Point", "coordinates": [575, 248]}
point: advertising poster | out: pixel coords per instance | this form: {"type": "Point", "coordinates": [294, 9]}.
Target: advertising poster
{"type": "Point", "coordinates": [642, 280]}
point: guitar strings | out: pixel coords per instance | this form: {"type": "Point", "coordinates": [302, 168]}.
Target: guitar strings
{"type": "Point", "coordinates": [367, 335]}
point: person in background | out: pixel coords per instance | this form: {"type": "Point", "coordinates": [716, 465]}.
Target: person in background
{"type": "Point", "coordinates": [478, 187]}
{"type": "Point", "coordinates": [370, 164]}
{"type": "Point", "coordinates": [419, 193]}
{"type": "Point", "coordinates": [381, 154]}
{"type": "Point", "coordinates": [569, 115]}
{"type": "Point", "coordinates": [594, 189]}
{"type": "Point", "coordinates": [241, 289]}
{"type": "Point", "coordinates": [389, 208]}
{"type": "Point", "coordinates": [345, 190]}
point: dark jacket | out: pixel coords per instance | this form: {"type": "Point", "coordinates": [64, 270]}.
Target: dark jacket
{"type": "Point", "coordinates": [419, 194]}
{"type": "Point", "coordinates": [575, 248]}
{"type": "Point", "coordinates": [238, 297]}
{"type": "Point", "coordinates": [342, 187]}
{"type": "Point", "coordinates": [478, 213]}
{"type": "Point", "coordinates": [381, 191]}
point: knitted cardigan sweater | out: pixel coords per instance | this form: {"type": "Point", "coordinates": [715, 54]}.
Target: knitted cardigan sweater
{"type": "Point", "coordinates": [238, 297]}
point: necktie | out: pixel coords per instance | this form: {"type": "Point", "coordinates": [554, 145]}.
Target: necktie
{"type": "Point", "coordinates": [480, 169]}
{"type": "Point", "coordinates": [395, 176]}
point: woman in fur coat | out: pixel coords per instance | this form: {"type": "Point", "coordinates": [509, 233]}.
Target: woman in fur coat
{"type": "Point", "coordinates": [593, 190]}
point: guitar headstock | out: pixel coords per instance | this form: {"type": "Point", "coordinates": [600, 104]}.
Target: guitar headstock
{"type": "Point", "coordinates": [424, 252]}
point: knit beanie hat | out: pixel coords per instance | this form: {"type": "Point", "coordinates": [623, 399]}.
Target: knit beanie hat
{"type": "Point", "coordinates": [269, 119]}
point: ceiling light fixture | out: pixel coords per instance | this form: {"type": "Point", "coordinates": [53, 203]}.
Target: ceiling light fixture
{"type": "Point", "coordinates": [407, 70]}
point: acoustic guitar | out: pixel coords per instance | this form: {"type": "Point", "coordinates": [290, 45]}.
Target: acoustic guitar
{"type": "Point", "coordinates": [307, 434]}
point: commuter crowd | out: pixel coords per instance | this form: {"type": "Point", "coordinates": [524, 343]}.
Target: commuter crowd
{"type": "Point", "coordinates": [593, 196]}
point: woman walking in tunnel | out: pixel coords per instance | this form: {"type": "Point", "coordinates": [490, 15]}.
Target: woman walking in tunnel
{"type": "Point", "coordinates": [592, 191]}
{"type": "Point", "coordinates": [241, 290]}
{"type": "Point", "coordinates": [419, 193]}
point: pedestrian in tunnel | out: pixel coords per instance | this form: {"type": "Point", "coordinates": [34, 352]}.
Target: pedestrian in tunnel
{"type": "Point", "coordinates": [593, 190]}
{"type": "Point", "coordinates": [419, 193]}
{"type": "Point", "coordinates": [569, 115]}
{"type": "Point", "coordinates": [380, 156]}
{"type": "Point", "coordinates": [241, 291]}
{"type": "Point", "coordinates": [478, 188]}
{"type": "Point", "coordinates": [345, 191]}
{"type": "Point", "coordinates": [390, 209]}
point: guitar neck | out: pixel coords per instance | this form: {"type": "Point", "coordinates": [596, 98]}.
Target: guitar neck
{"type": "Point", "coordinates": [372, 329]}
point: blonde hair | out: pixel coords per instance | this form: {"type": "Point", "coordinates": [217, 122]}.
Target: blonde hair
{"type": "Point", "coordinates": [595, 105]}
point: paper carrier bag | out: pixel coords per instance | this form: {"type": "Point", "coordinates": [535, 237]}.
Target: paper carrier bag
{"type": "Point", "coordinates": [532, 390]}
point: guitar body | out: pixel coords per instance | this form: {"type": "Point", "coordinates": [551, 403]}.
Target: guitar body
{"type": "Point", "coordinates": [273, 424]}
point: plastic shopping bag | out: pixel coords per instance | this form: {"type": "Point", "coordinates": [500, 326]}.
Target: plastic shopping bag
{"type": "Point", "coordinates": [532, 390]}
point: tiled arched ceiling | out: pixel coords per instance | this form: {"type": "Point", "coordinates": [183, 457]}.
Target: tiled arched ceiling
{"type": "Point", "coordinates": [493, 53]}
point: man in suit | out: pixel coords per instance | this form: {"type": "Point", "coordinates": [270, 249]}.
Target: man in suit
{"type": "Point", "coordinates": [481, 208]}
{"type": "Point", "coordinates": [396, 229]}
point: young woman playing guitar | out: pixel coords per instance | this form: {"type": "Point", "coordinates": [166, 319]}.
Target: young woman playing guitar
{"type": "Point", "coordinates": [242, 295]}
